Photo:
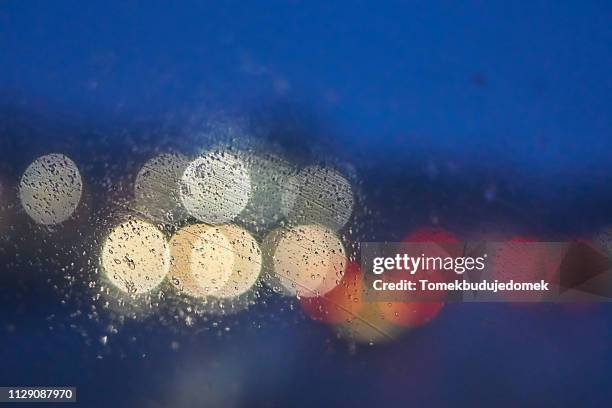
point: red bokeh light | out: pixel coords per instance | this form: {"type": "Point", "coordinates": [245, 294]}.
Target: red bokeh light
{"type": "Point", "coordinates": [341, 303]}
{"type": "Point", "coordinates": [525, 263]}
{"type": "Point", "coordinates": [411, 313]}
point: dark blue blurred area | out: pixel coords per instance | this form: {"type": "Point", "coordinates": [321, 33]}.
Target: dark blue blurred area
{"type": "Point", "coordinates": [478, 116]}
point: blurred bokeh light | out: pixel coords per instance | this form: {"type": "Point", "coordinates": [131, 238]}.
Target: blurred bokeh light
{"type": "Point", "coordinates": [319, 195]}
{"type": "Point", "coordinates": [309, 260]}
{"type": "Point", "coordinates": [216, 187]}
{"type": "Point", "coordinates": [50, 189]}
{"type": "Point", "coordinates": [135, 256]}
{"type": "Point", "coordinates": [156, 189]}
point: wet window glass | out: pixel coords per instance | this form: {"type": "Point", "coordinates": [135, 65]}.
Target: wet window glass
{"type": "Point", "coordinates": [187, 193]}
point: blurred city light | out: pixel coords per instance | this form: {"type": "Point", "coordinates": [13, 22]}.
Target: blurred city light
{"type": "Point", "coordinates": [50, 189]}
{"type": "Point", "coordinates": [342, 303]}
{"type": "Point", "coordinates": [202, 260]}
{"type": "Point", "coordinates": [215, 187]}
{"type": "Point", "coordinates": [269, 177]}
{"type": "Point", "coordinates": [309, 260]}
{"type": "Point", "coordinates": [525, 263]}
{"type": "Point", "coordinates": [247, 262]}
{"type": "Point", "coordinates": [156, 189]}
{"type": "Point", "coordinates": [135, 256]}
{"type": "Point", "coordinates": [319, 195]}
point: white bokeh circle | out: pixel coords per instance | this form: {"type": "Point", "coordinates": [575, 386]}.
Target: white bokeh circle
{"type": "Point", "coordinates": [318, 195]}
{"type": "Point", "coordinates": [215, 187]}
{"type": "Point", "coordinates": [50, 189]}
